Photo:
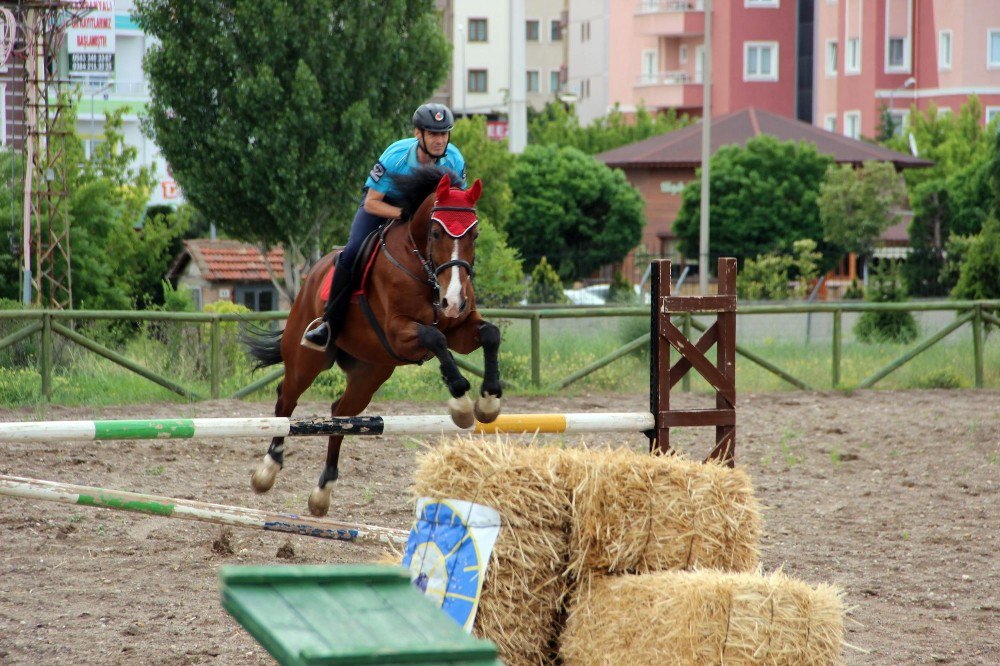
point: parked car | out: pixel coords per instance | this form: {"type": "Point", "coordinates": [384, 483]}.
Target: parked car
{"type": "Point", "coordinates": [595, 294]}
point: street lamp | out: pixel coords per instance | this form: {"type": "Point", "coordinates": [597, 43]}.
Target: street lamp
{"type": "Point", "coordinates": [105, 87]}
{"type": "Point", "coordinates": [892, 94]}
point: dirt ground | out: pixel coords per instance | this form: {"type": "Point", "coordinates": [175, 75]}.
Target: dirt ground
{"type": "Point", "coordinates": [891, 495]}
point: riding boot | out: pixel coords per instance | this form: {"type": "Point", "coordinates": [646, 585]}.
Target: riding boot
{"type": "Point", "coordinates": [321, 337]}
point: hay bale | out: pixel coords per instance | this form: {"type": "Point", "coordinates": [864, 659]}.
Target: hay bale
{"type": "Point", "coordinates": [703, 617]}
{"type": "Point", "coordinates": [636, 513]}
{"type": "Point", "coordinates": [521, 607]}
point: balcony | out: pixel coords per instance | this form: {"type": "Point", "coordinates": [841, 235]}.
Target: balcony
{"type": "Point", "coordinates": [670, 18]}
{"type": "Point", "coordinates": [136, 89]}
{"type": "Point", "coordinates": [669, 89]}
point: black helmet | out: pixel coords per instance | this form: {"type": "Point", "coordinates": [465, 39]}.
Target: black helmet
{"type": "Point", "coordinates": [433, 118]}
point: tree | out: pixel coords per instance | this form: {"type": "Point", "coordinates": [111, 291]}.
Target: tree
{"type": "Point", "coordinates": [489, 161]}
{"type": "Point", "coordinates": [271, 113]}
{"type": "Point", "coordinates": [857, 205]}
{"type": "Point", "coordinates": [498, 268]}
{"type": "Point", "coordinates": [886, 326]}
{"type": "Point", "coordinates": [573, 209]}
{"type": "Point", "coordinates": [979, 268]}
{"type": "Point", "coordinates": [557, 125]}
{"type": "Point", "coordinates": [763, 198]}
{"type": "Point", "coordinates": [545, 287]}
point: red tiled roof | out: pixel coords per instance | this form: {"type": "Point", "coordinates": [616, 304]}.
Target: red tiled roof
{"type": "Point", "coordinates": [682, 147]}
{"type": "Point", "coordinates": [230, 261]}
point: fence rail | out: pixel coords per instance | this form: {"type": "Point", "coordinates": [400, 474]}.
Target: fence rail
{"type": "Point", "coordinates": [49, 323]}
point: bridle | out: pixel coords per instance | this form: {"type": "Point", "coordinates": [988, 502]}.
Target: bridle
{"type": "Point", "coordinates": [432, 270]}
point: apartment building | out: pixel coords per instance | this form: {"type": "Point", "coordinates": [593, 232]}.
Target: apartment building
{"type": "Point", "coordinates": [900, 54]}
{"type": "Point", "coordinates": [480, 32]}
{"type": "Point", "coordinates": [651, 53]}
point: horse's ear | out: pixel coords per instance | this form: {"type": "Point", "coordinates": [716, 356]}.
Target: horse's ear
{"type": "Point", "coordinates": [476, 191]}
{"type": "Point", "coordinates": [444, 186]}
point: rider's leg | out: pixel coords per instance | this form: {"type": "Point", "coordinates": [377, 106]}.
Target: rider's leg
{"type": "Point", "coordinates": [340, 292]}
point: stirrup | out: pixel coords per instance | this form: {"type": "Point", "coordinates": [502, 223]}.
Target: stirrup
{"type": "Point", "coordinates": [312, 345]}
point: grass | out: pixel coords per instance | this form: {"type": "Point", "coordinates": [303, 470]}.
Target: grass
{"type": "Point", "coordinates": [180, 352]}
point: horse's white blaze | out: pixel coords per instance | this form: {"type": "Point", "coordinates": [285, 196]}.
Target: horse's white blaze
{"type": "Point", "coordinates": [454, 293]}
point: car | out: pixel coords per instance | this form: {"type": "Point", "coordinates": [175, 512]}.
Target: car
{"type": "Point", "coordinates": [595, 294]}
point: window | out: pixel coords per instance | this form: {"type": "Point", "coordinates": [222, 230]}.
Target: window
{"type": "Point", "coordinates": [259, 298]}
{"type": "Point", "coordinates": [831, 57]}
{"type": "Point", "coordinates": [852, 58]}
{"type": "Point", "coordinates": [762, 3]}
{"type": "Point", "coordinates": [896, 54]}
{"type": "Point", "coordinates": [852, 124]}
{"type": "Point", "coordinates": [898, 118]}
{"type": "Point", "coordinates": [531, 30]}
{"type": "Point", "coordinates": [682, 54]}
{"type": "Point", "coordinates": [760, 61]}
{"type": "Point", "coordinates": [992, 114]}
{"type": "Point", "coordinates": [532, 82]}
{"type": "Point", "coordinates": [993, 57]}
{"type": "Point", "coordinates": [830, 122]}
{"type": "Point", "coordinates": [944, 49]}
{"type": "Point", "coordinates": [477, 30]}
{"type": "Point", "coordinates": [649, 68]}
{"type": "Point", "coordinates": [555, 33]}
{"type": "Point", "coordinates": [477, 81]}
{"type": "Point", "coordinates": [555, 81]}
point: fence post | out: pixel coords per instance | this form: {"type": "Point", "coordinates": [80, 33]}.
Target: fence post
{"type": "Point", "coordinates": [216, 356]}
{"type": "Point", "coordinates": [686, 380]}
{"type": "Point", "coordinates": [837, 341]}
{"type": "Point", "coordinates": [46, 361]}
{"type": "Point", "coordinates": [977, 343]}
{"type": "Point", "coordinates": [536, 350]}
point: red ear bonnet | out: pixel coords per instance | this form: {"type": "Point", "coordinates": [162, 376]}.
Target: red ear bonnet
{"type": "Point", "coordinates": [455, 208]}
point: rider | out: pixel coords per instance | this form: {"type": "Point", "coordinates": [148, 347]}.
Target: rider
{"type": "Point", "coordinates": [432, 124]}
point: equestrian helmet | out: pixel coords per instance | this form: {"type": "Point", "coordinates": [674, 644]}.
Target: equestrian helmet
{"type": "Point", "coordinates": [433, 118]}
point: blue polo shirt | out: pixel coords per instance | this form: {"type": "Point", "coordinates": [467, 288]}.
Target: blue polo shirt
{"type": "Point", "coordinates": [401, 158]}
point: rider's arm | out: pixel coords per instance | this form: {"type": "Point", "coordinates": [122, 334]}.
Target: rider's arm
{"type": "Point", "coordinates": [376, 205]}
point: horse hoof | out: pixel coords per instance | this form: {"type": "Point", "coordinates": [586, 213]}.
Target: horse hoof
{"type": "Point", "coordinates": [461, 411]}
{"type": "Point", "coordinates": [319, 502]}
{"type": "Point", "coordinates": [265, 475]}
{"type": "Point", "coordinates": [487, 408]}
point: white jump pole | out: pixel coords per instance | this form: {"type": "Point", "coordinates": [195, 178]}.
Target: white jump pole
{"type": "Point", "coordinates": [64, 431]}
{"type": "Point", "coordinates": [168, 507]}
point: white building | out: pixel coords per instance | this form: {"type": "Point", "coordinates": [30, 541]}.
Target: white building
{"type": "Point", "coordinates": [104, 55]}
{"type": "Point", "coordinates": [479, 31]}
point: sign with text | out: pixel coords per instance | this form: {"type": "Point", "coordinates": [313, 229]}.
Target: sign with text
{"type": "Point", "coordinates": [90, 38]}
{"type": "Point", "coordinates": [496, 130]}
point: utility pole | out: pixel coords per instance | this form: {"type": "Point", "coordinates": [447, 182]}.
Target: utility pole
{"type": "Point", "coordinates": [517, 117]}
{"type": "Point", "coordinates": [706, 151]}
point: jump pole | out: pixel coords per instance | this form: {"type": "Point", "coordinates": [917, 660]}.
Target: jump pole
{"type": "Point", "coordinates": [221, 514]}
{"type": "Point", "coordinates": [85, 431]}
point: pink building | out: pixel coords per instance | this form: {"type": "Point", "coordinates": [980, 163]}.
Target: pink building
{"type": "Point", "coordinates": [649, 53]}
{"type": "Point", "coordinates": [901, 53]}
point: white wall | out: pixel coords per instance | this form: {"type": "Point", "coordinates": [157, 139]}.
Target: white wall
{"type": "Point", "coordinates": [492, 55]}
{"type": "Point", "coordinates": [588, 57]}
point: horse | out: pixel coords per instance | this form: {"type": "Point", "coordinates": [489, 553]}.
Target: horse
{"type": "Point", "coordinates": [415, 302]}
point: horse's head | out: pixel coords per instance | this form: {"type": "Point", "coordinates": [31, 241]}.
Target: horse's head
{"type": "Point", "coordinates": [451, 244]}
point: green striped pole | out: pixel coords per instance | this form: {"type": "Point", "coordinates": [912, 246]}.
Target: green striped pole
{"type": "Point", "coordinates": [221, 514]}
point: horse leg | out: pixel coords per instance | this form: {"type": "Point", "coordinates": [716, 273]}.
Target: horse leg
{"type": "Point", "coordinates": [460, 406]}
{"type": "Point", "coordinates": [363, 379]}
{"type": "Point", "coordinates": [487, 407]}
{"type": "Point", "coordinates": [292, 385]}
{"type": "Point", "coordinates": [472, 334]}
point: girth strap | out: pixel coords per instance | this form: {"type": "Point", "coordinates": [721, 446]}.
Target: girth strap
{"type": "Point", "coordinates": [373, 322]}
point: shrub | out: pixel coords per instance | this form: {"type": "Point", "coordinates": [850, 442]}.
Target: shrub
{"type": "Point", "coordinates": [854, 291]}
{"type": "Point", "coordinates": [883, 326]}
{"type": "Point", "coordinates": [545, 287]}
{"type": "Point", "coordinates": [621, 290]}
{"type": "Point", "coordinates": [764, 278]}
{"type": "Point", "coordinates": [499, 274]}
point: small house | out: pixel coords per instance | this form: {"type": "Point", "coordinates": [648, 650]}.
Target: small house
{"type": "Point", "coordinates": [228, 270]}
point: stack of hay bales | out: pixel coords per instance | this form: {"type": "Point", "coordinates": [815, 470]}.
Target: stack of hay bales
{"type": "Point", "coordinates": [521, 607]}
{"type": "Point", "coordinates": [611, 556]}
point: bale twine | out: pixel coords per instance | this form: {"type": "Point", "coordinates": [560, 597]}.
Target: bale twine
{"type": "Point", "coordinates": [521, 607]}
{"type": "Point", "coordinates": [636, 513]}
{"type": "Point", "coordinates": [703, 617]}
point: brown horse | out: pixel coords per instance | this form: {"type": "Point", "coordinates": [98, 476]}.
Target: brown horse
{"type": "Point", "coordinates": [418, 288]}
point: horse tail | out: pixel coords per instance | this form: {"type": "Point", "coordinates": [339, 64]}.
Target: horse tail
{"type": "Point", "coordinates": [264, 345]}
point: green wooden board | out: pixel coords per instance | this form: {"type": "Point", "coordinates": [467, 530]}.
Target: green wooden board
{"type": "Point", "coordinates": [346, 614]}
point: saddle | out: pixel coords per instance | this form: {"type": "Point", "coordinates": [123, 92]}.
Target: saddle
{"type": "Point", "coordinates": [359, 270]}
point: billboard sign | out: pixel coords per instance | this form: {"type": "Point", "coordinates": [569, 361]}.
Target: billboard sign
{"type": "Point", "coordinates": [90, 38]}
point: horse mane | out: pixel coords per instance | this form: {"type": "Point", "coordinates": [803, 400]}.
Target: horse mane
{"type": "Point", "coordinates": [413, 188]}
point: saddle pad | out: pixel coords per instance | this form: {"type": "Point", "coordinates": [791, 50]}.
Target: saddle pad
{"type": "Point", "coordinates": [324, 291]}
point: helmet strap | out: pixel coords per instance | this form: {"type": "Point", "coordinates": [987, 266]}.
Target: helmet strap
{"type": "Point", "coordinates": [423, 145]}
